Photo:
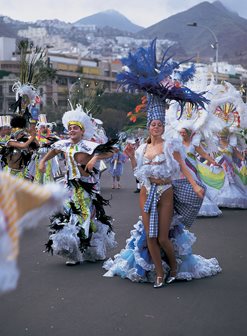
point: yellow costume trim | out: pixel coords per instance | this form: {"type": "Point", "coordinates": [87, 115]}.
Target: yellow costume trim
{"type": "Point", "coordinates": [76, 123]}
{"type": "Point", "coordinates": [71, 158]}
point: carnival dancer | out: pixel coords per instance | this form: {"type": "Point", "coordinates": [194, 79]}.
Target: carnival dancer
{"type": "Point", "coordinates": [203, 173]}
{"type": "Point", "coordinates": [100, 137]}
{"type": "Point", "coordinates": [159, 249]}
{"type": "Point", "coordinates": [45, 138]}
{"type": "Point", "coordinates": [227, 104]}
{"type": "Point", "coordinates": [83, 231]}
{"type": "Point", "coordinates": [198, 127]}
{"type": "Point", "coordinates": [17, 152]}
{"type": "Point", "coordinates": [233, 193]}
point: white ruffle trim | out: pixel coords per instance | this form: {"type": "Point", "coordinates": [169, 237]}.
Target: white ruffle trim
{"type": "Point", "coordinates": [66, 243]}
{"type": "Point", "coordinates": [209, 209]}
{"type": "Point", "coordinates": [101, 242]}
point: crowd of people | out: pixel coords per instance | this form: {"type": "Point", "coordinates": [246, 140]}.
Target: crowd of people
{"type": "Point", "coordinates": [189, 166]}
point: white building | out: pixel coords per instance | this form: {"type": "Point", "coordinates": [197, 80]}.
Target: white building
{"type": "Point", "coordinates": [7, 48]}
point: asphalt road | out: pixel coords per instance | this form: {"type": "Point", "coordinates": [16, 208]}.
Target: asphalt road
{"type": "Point", "coordinates": [53, 299]}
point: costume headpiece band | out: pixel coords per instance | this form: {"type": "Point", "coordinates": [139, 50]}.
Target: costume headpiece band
{"type": "Point", "coordinates": [76, 123]}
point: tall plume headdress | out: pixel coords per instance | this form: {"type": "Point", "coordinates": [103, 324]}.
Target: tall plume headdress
{"type": "Point", "coordinates": [142, 72]}
{"type": "Point", "coordinates": [34, 70]}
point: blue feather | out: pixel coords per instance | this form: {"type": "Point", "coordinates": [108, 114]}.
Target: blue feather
{"type": "Point", "coordinates": [146, 74]}
{"type": "Point", "coordinates": [187, 74]}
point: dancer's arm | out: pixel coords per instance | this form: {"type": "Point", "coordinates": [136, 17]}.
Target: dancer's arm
{"type": "Point", "coordinates": [206, 156]}
{"type": "Point", "coordinates": [51, 154]}
{"type": "Point", "coordinates": [91, 163]}
{"type": "Point", "coordinates": [130, 152]}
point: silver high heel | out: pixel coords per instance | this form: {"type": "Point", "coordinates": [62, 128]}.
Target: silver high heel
{"type": "Point", "coordinates": [170, 279]}
{"type": "Point", "coordinates": [159, 282]}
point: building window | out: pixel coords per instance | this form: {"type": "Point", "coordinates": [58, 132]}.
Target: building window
{"type": "Point", "coordinates": [106, 73]}
{"type": "Point", "coordinates": [62, 81]}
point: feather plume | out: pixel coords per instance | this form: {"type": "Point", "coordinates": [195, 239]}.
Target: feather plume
{"type": "Point", "coordinates": [105, 148]}
{"type": "Point", "coordinates": [144, 73]}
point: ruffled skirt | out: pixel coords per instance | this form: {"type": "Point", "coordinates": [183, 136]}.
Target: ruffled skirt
{"type": "Point", "coordinates": [134, 261]}
{"type": "Point", "coordinates": [66, 243]}
{"type": "Point", "coordinates": [232, 196]}
{"type": "Point", "coordinates": [209, 206]}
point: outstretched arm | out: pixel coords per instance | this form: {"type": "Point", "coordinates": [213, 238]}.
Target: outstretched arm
{"type": "Point", "coordinates": [205, 155]}
{"type": "Point", "coordinates": [51, 154]}
{"type": "Point", "coordinates": [22, 145]}
{"type": "Point", "coordinates": [197, 189]}
{"type": "Point", "coordinates": [130, 152]}
{"type": "Point", "coordinates": [91, 163]}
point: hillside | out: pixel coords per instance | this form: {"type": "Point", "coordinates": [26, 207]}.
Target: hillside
{"type": "Point", "coordinates": [110, 18]}
{"type": "Point", "coordinates": [229, 28]}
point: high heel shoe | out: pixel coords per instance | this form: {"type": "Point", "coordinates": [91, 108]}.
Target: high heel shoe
{"type": "Point", "coordinates": [159, 282]}
{"type": "Point", "coordinates": [170, 278]}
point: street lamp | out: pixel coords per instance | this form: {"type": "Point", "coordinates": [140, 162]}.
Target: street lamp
{"type": "Point", "coordinates": [215, 45]}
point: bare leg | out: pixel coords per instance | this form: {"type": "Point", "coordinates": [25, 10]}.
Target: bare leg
{"type": "Point", "coordinates": [113, 182]}
{"type": "Point", "coordinates": [165, 209]}
{"type": "Point", "coordinates": [153, 245]}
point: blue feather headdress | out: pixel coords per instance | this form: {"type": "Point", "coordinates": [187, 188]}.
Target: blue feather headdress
{"type": "Point", "coordinates": [142, 72]}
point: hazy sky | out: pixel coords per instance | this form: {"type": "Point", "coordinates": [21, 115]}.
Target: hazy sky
{"type": "Point", "coordinates": [144, 13]}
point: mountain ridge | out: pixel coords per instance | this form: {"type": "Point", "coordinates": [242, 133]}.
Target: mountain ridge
{"type": "Point", "coordinates": [110, 18]}
{"type": "Point", "coordinates": [229, 28]}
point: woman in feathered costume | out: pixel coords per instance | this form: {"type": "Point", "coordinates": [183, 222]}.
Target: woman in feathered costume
{"type": "Point", "coordinates": [83, 231]}
{"type": "Point", "coordinates": [226, 103]}
{"type": "Point", "coordinates": [233, 192]}
{"type": "Point", "coordinates": [193, 126]}
{"type": "Point", "coordinates": [159, 249]}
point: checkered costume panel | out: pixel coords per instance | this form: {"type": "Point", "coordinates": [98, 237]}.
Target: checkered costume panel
{"type": "Point", "coordinates": [186, 202]}
{"type": "Point", "coordinates": [151, 207]}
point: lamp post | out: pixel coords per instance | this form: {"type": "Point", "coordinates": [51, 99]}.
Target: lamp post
{"type": "Point", "coordinates": [214, 46]}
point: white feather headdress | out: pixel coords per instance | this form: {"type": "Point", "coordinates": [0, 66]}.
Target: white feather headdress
{"type": "Point", "coordinates": [200, 122]}
{"type": "Point", "coordinates": [226, 104]}
{"type": "Point", "coordinates": [79, 117]}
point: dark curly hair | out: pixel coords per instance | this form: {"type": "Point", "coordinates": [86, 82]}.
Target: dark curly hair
{"type": "Point", "coordinates": [18, 121]}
